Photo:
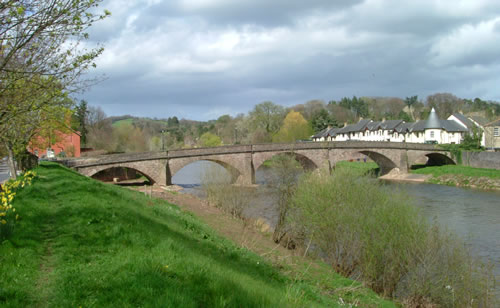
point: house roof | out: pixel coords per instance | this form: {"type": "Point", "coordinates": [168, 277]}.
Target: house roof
{"type": "Point", "coordinates": [452, 126]}
{"type": "Point", "coordinates": [374, 125]}
{"type": "Point", "coordinates": [404, 127]}
{"type": "Point", "coordinates": [468, 123]}
{"type": "Point", "coordinates": [479, 120]}
{"type": "Point", "coordinates": [322, 133]}
{"type": "Point", "coordinates": [391, 124]}
{"type": "Point", "coordinates": [494, 123]}
{"type": "Point", "coordinates": [433, 121]}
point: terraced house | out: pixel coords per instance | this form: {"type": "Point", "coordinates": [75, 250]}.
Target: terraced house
{"type": "Point", "coordinates": [432, 130]}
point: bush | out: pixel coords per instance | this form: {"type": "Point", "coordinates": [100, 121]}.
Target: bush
{"type": "Point", "coordinates": [222, 193]}
{"type": "Point", "coordinates": [368, 233]}
{"type": "Point", "coordinates": [8, 215]}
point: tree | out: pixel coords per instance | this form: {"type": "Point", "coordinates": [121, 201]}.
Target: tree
{"type": "Point", "coordinates": [356, 105]}
{"type": "Point", "coordinates": [18, 126]}
{"type": "Point", "coordinates": [404, 116]}
{"type": "Point", "coordinates": [267, 116]}
{"type": "Point", "coordinates": [40, 48]}
{"type": "Point", "coordinates": [295, 127]}
{"type": "Point", "coordinates": [410, 102]}
{"type": "Point", "coordinates": [80, 120]}
{"type": "Point", "coordinates": [209, 140]}
{"type": "Point", "coordinates": [445, 104]}
{"type": "Point", "coordinates": [322, 120]}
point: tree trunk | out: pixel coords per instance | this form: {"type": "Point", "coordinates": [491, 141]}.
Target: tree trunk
{"type": "Point", "coordinates": [10, 161]}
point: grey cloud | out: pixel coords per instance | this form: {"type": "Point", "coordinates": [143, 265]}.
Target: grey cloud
{"type": "Point", "coordinates": [164, 60]}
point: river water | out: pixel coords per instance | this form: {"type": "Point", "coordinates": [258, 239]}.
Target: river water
{"type": "Point", "coordinates": [472, 214]}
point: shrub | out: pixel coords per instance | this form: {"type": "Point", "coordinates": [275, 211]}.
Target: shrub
{"type": "Point", "coordinates": [222, 193]}
{"type": "Point", "coordinates": [8, 215]}
{"type": "Point", "coordinates": [368, 233]}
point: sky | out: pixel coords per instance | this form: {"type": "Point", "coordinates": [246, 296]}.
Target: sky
{"type": "Point", "coordinates": [200, 59]}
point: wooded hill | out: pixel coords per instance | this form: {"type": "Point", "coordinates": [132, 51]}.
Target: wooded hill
{"type": "Point", "coordinates": [266, 122]}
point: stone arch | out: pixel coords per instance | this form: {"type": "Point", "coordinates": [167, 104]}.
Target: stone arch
{"type": "Point", "coordinates": [152, 170]}
{"type": "Point", "coordinates": [237, 164]}
{"type": "Point", "coordinates": [306, 162]}
{"type": "Point", "coordinates": [120, 173]}
{"type": "Point", "coordinates": [385, 163]}
{"type": "Point", "coordinates": [439, 159]}
{"type": "Point", "coordinates": [183, 162]}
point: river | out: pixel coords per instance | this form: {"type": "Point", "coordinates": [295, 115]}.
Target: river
{"type": "Point", "coordinates": [472, 214]}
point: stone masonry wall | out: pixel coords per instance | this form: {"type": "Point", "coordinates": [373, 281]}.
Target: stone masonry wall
{"type": "Point", "coordinates": [489, 160]}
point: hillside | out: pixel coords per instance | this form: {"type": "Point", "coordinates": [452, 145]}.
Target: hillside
{"type": "Point", "coordinates": [83, 243]}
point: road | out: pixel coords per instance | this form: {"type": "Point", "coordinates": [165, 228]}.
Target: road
{"type": "Point", "coordinates": [4, 170]}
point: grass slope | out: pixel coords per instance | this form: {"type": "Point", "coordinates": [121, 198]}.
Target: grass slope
{"type": "Point", "coordinates": [459, 170]}
{"type": "Point", "coordinates": [83, 243]}
{"type": "Point", "coordinates": [361, 168]}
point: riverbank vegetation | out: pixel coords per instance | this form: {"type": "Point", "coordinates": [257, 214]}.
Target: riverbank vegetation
{"type": "Point", "coordinates": [83, 243]}
{"type": "Point", "coordinates": [464, 176]}
{"type": "Point", "coordinates": [378, 237]}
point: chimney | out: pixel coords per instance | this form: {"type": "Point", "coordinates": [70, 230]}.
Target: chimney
{"type": "Point", "coordinates": [345, 124]}
{"type": "Point", "coordinates": [383, 119]}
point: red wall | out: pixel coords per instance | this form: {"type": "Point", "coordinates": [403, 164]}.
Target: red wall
{"type": "Point", "coordinates": [66, 140]}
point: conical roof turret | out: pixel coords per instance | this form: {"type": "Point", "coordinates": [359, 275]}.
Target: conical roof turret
{"type": "Point", "coordinates": [433, 121]}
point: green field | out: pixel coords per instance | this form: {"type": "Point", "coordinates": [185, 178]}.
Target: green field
{"type": "Point", "coordinates": [459, 170]}
{"type": "Point", "coordinates": [82, 243]}
{"type": "Point", "coordinates": [123, 122]}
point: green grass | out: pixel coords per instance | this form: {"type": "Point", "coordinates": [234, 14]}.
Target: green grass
{"type": "Point", "coordinates": [84, 243]}
{"type": "Point", "coordinates": [459, 170]}
{"type": "Point", "coordinates": [122, 122]}
{"type": "Point", "coordinates": [360, 168]}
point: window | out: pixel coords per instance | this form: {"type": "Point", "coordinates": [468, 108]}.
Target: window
{"type": "Point", "coordinates": [496, 132]}
{"type": "Point", "coordinates": [432, 134]}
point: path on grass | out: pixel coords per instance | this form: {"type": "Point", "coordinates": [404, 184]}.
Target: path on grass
{"type": "Point", "coordinates": [46, 265]}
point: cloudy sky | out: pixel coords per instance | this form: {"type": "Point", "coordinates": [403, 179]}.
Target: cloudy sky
{"type": "Point", "coordinates": [200, 59]}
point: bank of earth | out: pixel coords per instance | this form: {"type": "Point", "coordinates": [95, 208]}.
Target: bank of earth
{"type": "Point", "coordinates": [82, 243]}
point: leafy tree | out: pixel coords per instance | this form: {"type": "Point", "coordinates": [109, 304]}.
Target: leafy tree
{"type": "Point", "coordinates": [357, 105]}
{"type": "Point", "coordinates": [268, 116]}
{"type": "Point", "coordinates": [40, 50]}
{"type": "Point", "coordinates": [80, 120]}
{"type": "Point", "coordinates": [17, 126]}
{"type": "Point", "coordinates": [404, 116]}
{"type": "Point", "coordinates": [209, 140]}
{"type": "Point", "coordinates": [410, 102]}
{"type": "Point", "coordinates": [173, 121]}
{"type": "Point", "coordinates": [322, 120]}
{"type": "Point", "coordinates": [295, 127]}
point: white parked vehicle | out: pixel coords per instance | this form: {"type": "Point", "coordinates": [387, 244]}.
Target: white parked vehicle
{"type": "Point", "coordinates": [50, 153]}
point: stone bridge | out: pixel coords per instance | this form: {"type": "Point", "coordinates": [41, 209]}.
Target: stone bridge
{"type": "Point", "coordinates": [243, 160]}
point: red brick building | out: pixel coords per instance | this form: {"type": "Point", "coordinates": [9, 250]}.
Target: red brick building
{"type": "Point", "coordinates": [67, 142]}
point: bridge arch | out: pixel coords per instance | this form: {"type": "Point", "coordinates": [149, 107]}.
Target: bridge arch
{"type": "Point", "coordinates": [439, 159]}
{"type": "Point", "coordinates": [385, 163]}
{"type": "Point", "coordinates": [306, 162]}
{"type": "Point", "coordinates": [152, 170]}
{"type": "Point", "coordinates": [236, 164]}
{"type": "Point", "coordinates": [178, 166]}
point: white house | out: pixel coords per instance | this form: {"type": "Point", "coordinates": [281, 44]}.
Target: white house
{"type": "Point", "coordinates": [432, 130]}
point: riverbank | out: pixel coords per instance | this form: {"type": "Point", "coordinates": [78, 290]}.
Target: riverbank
{"type": "Point", "coordinates": [80, 242]}
{"type": "Point", "coordinates": [460, 176]}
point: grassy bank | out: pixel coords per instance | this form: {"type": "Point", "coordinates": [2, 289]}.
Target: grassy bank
{"type": "Point", "coordinates": [83, 243]}
{"type": "Point", "coordinates": [455, 175]}
{"type": "Point", "coordinates": [360, 168]}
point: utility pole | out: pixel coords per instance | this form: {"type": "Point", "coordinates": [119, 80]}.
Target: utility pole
{"type": "Point", "coordinates": [163, 140]}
